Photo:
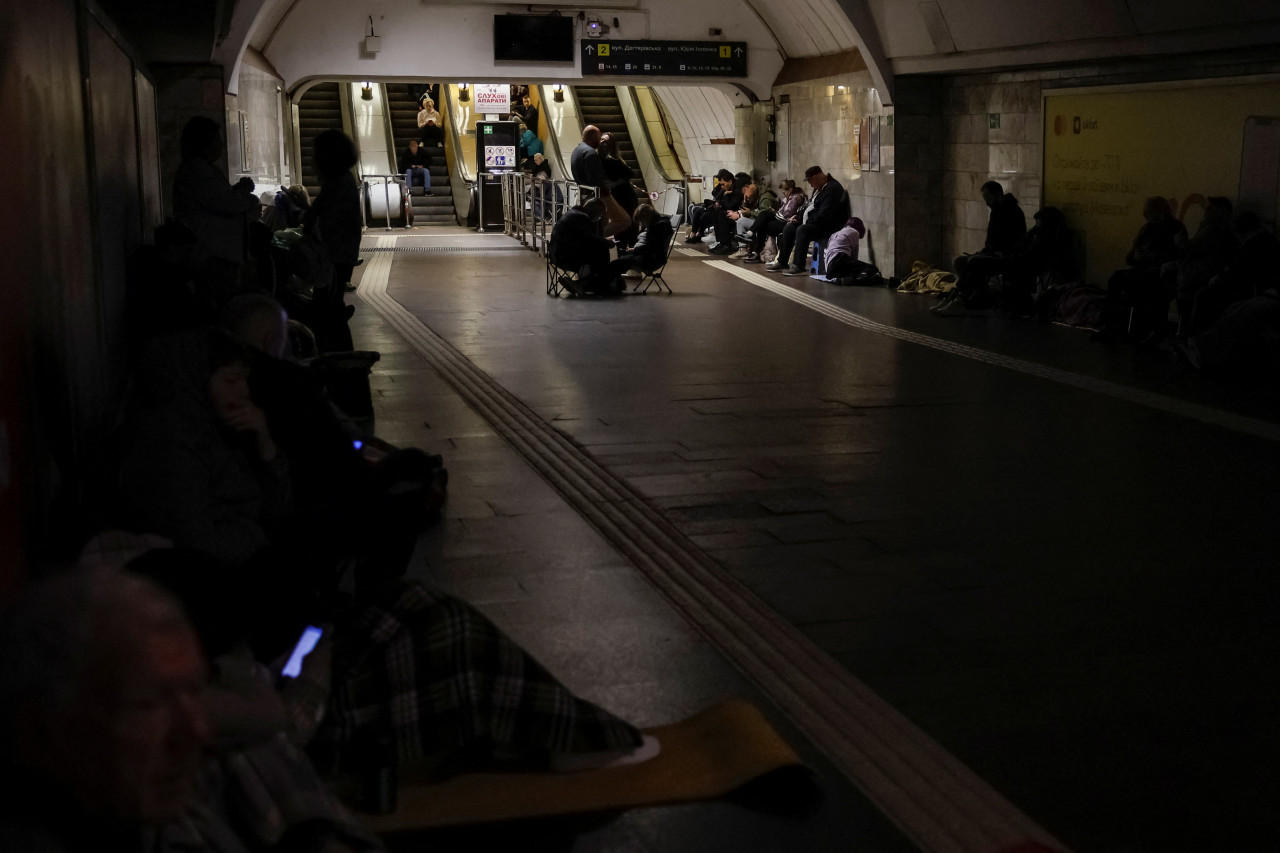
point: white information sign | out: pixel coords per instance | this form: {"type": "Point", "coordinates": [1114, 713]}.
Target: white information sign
{"type": "Point", "coordinates": [492, 98]}
{"type": "Point", "coordinates": [500, 156]}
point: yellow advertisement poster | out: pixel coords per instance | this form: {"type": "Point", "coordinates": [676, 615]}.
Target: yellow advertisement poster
{"type": "Point", "coordinates": [1106, 152]}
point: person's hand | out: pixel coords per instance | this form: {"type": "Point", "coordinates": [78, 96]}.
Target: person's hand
{"type": "Point", "coordinates": [248, 418]}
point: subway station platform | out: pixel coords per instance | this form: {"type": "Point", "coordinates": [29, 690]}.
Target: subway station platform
{"type": "Point", "coordinates": [994, 582]}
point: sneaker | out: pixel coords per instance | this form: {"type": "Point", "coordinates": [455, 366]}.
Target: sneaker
{"type": "Point", "coordinates": [952, 308]}
{"type": "Point", "coordinates": [693, 238]}
{"type": "Point", "coordinates": [722, 249]}
{"type": "Point", "coordinates": [1189, 352]}
{"type": "Point", "coordinates": [740, 253]}
{"type": "Point", "coordinates": [775, 267]}
{"type": "Point", "coordinates": [795, 270]}
{"type": "Point", "coordinates": [633, 274]}
{"type": "Point", "coordinates": [709, 238]}
{"type": "Point", "coordinates": [751, 258]}
{"type": "Point", "coordinates": [943, 301]}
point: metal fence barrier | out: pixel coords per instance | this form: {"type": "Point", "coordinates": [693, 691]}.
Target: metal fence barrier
{"type": "Point", "coordinates": [531, 206]}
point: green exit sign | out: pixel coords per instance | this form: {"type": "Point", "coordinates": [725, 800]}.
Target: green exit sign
{"type": "Point", "coordinates": [993, 121]}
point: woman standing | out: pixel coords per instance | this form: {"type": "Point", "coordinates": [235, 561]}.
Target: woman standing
{"type": "Point", "coordinates": [618, 176]}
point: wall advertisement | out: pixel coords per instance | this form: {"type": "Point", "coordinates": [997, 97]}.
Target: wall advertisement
{"type": "Point", "coordinates": [1106, 152]}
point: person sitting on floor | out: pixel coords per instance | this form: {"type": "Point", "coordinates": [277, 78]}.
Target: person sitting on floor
{"type": "Point", "coordinates": [842, 249]}
{"type": "Point", "coordinates": [827, 210]}
{"type": "Point", "coordinates": [577, 246]}
{"type": "Point", "coordinates": [1006, 226]}
{"type": "Point", "coordinates": [1240, 327]}
{"type": "Point", "coordinates": [416, 165]}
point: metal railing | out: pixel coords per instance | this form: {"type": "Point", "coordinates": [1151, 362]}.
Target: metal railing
{"type": "Point", "coordinates": [387, 180]}
{"type": "Point", "coordinates": [531, 207]}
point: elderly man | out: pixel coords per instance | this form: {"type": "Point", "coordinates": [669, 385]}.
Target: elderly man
{"type": "Point", "coordinates": [827, 212]}
{"type": "Point", "coordinates": [101, 683]}
{"type": "Point", "coordinates": [584, 162]}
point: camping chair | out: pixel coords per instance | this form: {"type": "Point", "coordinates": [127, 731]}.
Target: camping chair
{"type": "Point", "coordinates": [655, 276]}
{"type": "Point", "coordinates": [559, 279]}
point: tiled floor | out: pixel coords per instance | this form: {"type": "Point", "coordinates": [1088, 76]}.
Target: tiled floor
{"type": "Point", "coordinates": [1075, 594]}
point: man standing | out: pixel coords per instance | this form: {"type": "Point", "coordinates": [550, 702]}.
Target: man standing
{"type": "Point", "coordinates": [827, 212]}
{"type": "Point", "coordinates": [416, 165]}
{"type": "Point", "coordinates": [584, 162]}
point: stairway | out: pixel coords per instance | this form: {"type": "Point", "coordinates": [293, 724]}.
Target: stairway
{"type": "Point", "coordinates": [318, 111]}
{"type": "Point", "coordinates": [599, 106]}
{"type": "Point", "coordinates": [437, 207]}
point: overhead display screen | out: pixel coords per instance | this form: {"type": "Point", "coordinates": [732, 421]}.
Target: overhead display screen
{"type": "Point", "coordinates": [532, 38]}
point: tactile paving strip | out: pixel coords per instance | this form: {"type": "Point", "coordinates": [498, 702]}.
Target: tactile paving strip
{"type": "Point", "coordinates": [938, 802]}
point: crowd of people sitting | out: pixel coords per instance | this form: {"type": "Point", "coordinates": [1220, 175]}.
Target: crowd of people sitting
{"type": "Point", "coordinates": [152, 693]}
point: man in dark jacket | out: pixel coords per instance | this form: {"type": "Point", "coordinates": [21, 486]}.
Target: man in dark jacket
{"type": "Point", "coordinates": [1006, 226]}
{"type": "Point", "coordinates": [576, 246]}
{"type": "Point", "coordinates": [701, 215]}
{"type": "Point", "coordinates": [416, 165]}
{"type": "Point", "coordinates": [730, 201]}
{"type": "Point", "coordinates": [826, 214]}
{"type": "Point", "coordinates": [584, 162]}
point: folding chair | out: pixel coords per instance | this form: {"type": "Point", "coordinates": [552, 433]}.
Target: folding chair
{"type": "Point", "coordinates": [561, 280]}
{"type": "Point", "coordinates": [655, 276]}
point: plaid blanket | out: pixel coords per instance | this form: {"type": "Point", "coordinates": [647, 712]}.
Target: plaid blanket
{"type": "Point", "coordinates": [439, 677]}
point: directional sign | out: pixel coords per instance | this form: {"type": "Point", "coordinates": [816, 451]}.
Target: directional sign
{"type": "Point", "coordinates": [664, 58]}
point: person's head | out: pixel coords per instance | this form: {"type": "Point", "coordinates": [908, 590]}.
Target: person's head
{"type": "Point", "coordinates": [591, 135]}
{"type": "Point", "coordinates": [992, 192]}
{"type": "Point", "coordinates": [258, 321]}
{"type": "Point", "coordinates": [335, 153]}
{"type": "Point", "coordinates": [1050, 219]}
{"type": "Point", "coordinates": [1218, 210]}
{"type": "Point", "coordinates": [644, 215]}
{"type": "Point", "coordinates": [787, 186]}
{"type": "Point", "coordinates": [725, 178]}
{"type": "Point", "coordinates": [594, 208]}
{"type": "Point", "coordinates": [1156, 208]}
{"type": "Point", "coordinates": [428, 103]}
{"type": "Point", "coordinates": [606, 147]}
{"type": "Point", "coordinates": [101, 681]}
{"type": "Point", "coordinates": [856, 224]}
{"type": "Point", "coordinates": [201, 139]}
{"type": "Point", "coordinates": [526, 100]}
{"type": "Point", "coordinates": [538, 158]}
{"type": "Point", "coordinates": [524, 128]}
{"type": "Point", "coordinates": [413, 146]}
{"type": "Point", "coordinates": [741, 180]}
{"type": "Point", "coordinates": [815, 176]}
{"type": "Point", "coordinates": [229, 368]}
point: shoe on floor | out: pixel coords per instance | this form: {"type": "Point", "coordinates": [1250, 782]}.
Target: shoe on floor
{"type": "Point", "coordinates": [795, 270]}
{"type": "Point", "coordinates": [722, 249]}
{"type": "Point", "coordinates": [952, 308]}
{"type": "Point", "coordinates": [774, 267]}
{"type": "Point", "coordinates": [692, 238]}
{"type": "Point", "coordinates": [751, 258]}
{"type": "Point", "coordinates": [633, 274]}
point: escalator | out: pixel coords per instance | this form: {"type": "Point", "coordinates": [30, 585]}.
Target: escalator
{"type": "Point", "coordinates": [599, 105]}
{"type": "Point", "coordinates": [435, 208]}
{"type": "Point", "coordinates": [318, 110]}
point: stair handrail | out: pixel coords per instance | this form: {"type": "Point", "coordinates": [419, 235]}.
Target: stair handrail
{"type": "Point", "coordinates": [644, 128]}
